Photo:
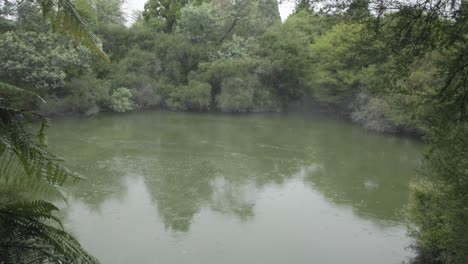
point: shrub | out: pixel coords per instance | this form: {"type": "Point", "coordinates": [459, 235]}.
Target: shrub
{"type": "Point", "coordinates": [373, 113]}
{"type": "Point", "coordinates": [265, 101]}
{"type": "Point", "coordinates": [146, 95]}
{"type": "Point", "coordinates": [53, 106]}
{"type": "Point", "coordinates": [237, 95]}
{"type": "Point", "coordinates": [438, 203]}
{"type": "Point", "coordinates": [121, 100]}
{"type": "Point", "coordinates": [194, 96]}
{"type": "Point", "coordinates": [86, 94]}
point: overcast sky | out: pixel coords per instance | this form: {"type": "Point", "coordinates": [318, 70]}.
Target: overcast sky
{"type": "Point", "coordinates": [132, 5]}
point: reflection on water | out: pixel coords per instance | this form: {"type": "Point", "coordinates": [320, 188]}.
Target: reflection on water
{"type": "Point", "coordinates": [185, 188]}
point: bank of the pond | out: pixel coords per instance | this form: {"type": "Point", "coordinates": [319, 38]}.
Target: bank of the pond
{"type": "Point", "coordinates": [375, 124]}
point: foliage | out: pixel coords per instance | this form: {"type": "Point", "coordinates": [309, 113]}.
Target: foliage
{"type": "Point", "coordinates": [236, 47]}
{"type": "Point", "coordinates": [147, 95]}
{"type": "Point", "coordinates": [117, 40]}
{"type": "Point", "coordinates": [249, 18]}
{"type": "Point", "coordinates": [26, 163]}
{"type": "Point", "coordinates": [27, 239]}
{"type": "Point", "coordinates": [84, 95]}
{"type": "Point", "coordinates": [121, 100]}
{"type": "Point", "coordinates": [427, 50]}
{"type": "Point", "coordinates": [109, 25]}
{"type": "Point", "coordinates": [178, 57]}
{"type": "Point", "coordinates": [287, 47]}
{"type": "Point", "coordinates": [165, 12]}
{"type": "Point", "coordinates": [217, 71]}
{"type": "Point", "coordinates": [195, 96]}
{"type": "Point", "coordinates": [27, 13]}
{"type": "Point", "coordinates": [236, 95]}
{"type": "Point", "coordinates": [138, 62]}
{"type": "Point", "coordinates": [67, 17]}
{"type": "Point", "coordinates": [341, 55]}
{"type": "Point", "coordinates": [377, 113]}
{"type": "Point", "coordinates": [36, 61]}
{"type": "Point", "coordinates": [109, 12]}
{"type": "Point", "coordinates": [266, 13]}
{"type": "Point", "coordinates": [437, 210]}
{"type": "Point", "coordinates": [264, 99]}
{"type": "Point", "coordinates": [201, 23]}
{"type": "Point", "coordinates": [358, 10]}
{"type": "Point", "coordinates": [236, 86]}
{"type": "Point", "coordinates": [392, 66]}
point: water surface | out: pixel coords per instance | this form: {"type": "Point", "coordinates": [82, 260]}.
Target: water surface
{"type": "Point", "coordinates": [205, 188]}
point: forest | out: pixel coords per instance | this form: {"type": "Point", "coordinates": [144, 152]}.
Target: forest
{"type": "Point", "coordinates": [395, 67]}
{"type": "Point", "coordinates": [211, 56]}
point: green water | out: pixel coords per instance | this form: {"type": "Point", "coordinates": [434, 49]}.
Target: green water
{"type": "Point", "coordinates": [204, 188]}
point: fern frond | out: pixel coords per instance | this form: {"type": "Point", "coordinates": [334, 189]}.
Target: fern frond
{"type": "Point", "coordinates": [25, 236]}
{"type": "Point", "coordinates": [28, 252]}
{"type": "Point", "coordinates": [6, 88]}
{"type": "Point", "coordinates": [25, 162]}
{"type": "Point", "coordinates": [38, 210]}
{"type": "Point", "coordinates": [87, 9]}
{"type": "Point", "coordinates": [23, 229]}
{"type": "Point", "coordinates": [66, 18]}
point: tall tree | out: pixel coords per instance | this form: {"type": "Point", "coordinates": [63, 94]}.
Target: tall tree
{"type": "Point", "coordinates": [306, 5]}
{"type": "Point", "coordinates": [165, 12]}
{"type": "Point", "coordinates": [110, 12]}
{"type": "Point", "coordinates": [250, 18]}
{"type": "Point", "coordinates": [358, 9]}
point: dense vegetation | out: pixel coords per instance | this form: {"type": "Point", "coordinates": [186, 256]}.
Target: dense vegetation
{"type": "Point", "coordinates": [391, 66]}
{"type": "Point", "coordinates": [30, 230]}
{"type": "Point", "coordinates": [208, 56]}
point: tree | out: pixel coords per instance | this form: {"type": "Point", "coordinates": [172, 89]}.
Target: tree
{"type": "Point", "coordinates": [249, 18]}
{"type": "Point", "coordinates": [40, 62]}
{"type": "Point", "coordinates": [110, 12]}
{"type": "Point", "coordinates": [288, 48]}
{"type": "Point", "coordinates": [304, 5]}
{"type": "Point", "coordinates": [340, 55]}
{"type": "Point", "coordinates": [358, 9]}
{"type": "Point", "coordinates": [27, 15]}
{"type": "Point", "coordinates": [201, 23]}
{"type": "Point", "coordinates": [165, 12]}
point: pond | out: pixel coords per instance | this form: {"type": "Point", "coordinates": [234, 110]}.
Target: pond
{"type": "Point", "coordinates": [206, 188]}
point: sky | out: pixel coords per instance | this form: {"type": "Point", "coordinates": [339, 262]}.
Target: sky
{"type": "Point", "coordinates": [132, 5]}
